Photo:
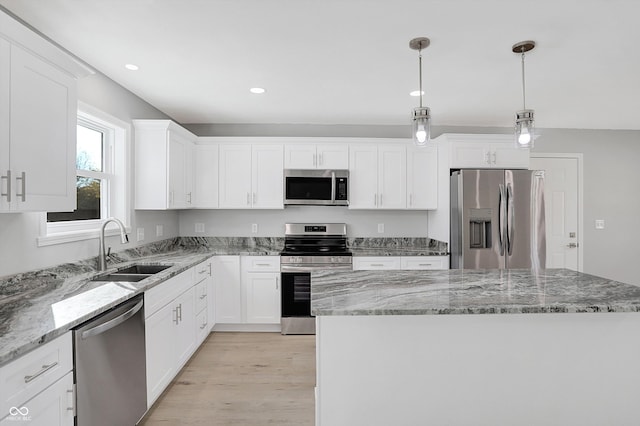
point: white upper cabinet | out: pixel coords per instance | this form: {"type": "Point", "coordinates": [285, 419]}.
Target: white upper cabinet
{"type": "Point", "coordinates": [485, 151]}
{"type": "Point", "coordinates": [251, 176]}
{"type": "Point", "coordinates": [316, 156]}
{"type": "Point", "coordinates": [164, 167]}
{"type": "Point", "coordinates": [422, 177]}
{"type": "Point", "coordinates": [38, 115]}
{"type": "Point", "coordinates": [377, 176]}
{"type": "Point", "coordinates": [205, 183]}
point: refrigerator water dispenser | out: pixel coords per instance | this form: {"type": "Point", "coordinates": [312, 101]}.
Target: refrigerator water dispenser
{"type": "Point", "coordinates": [480, 228]}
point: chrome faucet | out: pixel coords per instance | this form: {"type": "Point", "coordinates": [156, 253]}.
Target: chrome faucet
{"type": "Point", "coordinates": [124, 238]}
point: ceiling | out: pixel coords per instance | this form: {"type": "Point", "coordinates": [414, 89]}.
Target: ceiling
{"type": "Point", "coordinates": [349, 61]}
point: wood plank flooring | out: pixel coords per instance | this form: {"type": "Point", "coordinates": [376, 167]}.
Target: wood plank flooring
{"type": "Point", "coordinates": [242, 379]}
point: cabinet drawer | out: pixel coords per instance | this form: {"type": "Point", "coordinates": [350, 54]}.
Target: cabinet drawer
{"type": "Point", "coordinates": [203, 270]}
{"type": "Point", "coordinates": [30, 374]}
{"type": "Point", "coordinates": [202, 290]}
{"type": "Point", "coordinates": [202, 325]}
{"type": "Point", "coordinates": [261, 263]}
{"type": "Point", "coordinates": [424, 262]}
{"type": "Point", "coordinates": [376, 263]}
{"type": "Point", "coordinates": [158, 296]}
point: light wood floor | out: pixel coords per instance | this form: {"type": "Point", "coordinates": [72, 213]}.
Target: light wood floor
{"type": "Point", "coordinates": [242, 379]}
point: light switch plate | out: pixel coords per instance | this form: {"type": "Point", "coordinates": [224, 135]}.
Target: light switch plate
{"type": "Point", "coordinates": [140, 234]}
{"type": "Point", "coordinates": [159, 230]}
{"type": "Point", "coordinates": [200, 227]}
{"type": "Point", "coordinates": [599, 224]}
{"type": "Point", "coordinates": [381, 228]}
{"type": "Point", "coordinates": [254, 228]}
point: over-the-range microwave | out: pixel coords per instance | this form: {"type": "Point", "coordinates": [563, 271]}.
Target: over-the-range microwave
{"type": "Point", "coordinates": [316, 187]}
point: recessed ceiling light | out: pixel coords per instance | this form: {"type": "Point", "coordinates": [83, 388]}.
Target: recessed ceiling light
{"type": "Point", "coordinates": [131, 67]}
{"type": "Point", "coordinates": [257, 90]}
{"type": "Point", "coordinates": [416, 93]}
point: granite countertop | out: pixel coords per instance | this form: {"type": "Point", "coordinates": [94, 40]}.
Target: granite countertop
{"type": "Point", "coordinates": [512, 291]}
{"type": "Point", "coordinates": [36, 307]}
{"type": "Point", "coordinates": [399, 246]}
{"type": "Point", "coordinates": [395, 251]}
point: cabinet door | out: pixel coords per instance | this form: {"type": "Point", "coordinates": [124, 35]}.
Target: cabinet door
{"type": "Point", "coordinates": [333, 156]}
{"type": "Point", "coordinates": [205, 176]}
{"type": "Point", "coordinates": [185, 331]}
{"type": "Point", "coordinates": [178, 152]}
{"type": "Point", "coordinates": [422, 178]}
{"type": "Point", "coordinates": [228, 293]}
{"type": "Point", "coordinates": [235, 177]}
{"type": "Point", "coordinates": [373, 263]}
{"type": "Point", "coordinates": [42, 134]}
{"type": "Point", "coordinates": [392, 177]}
{"type": "Point", "coordinates": [51, 407]}
{"type": "Point", "coordinates": [5, 84]}
{"type": "Point", "coordinates": [300, 156]}
{"type": "Point", "coordinates": [160, 350]}
{"type": "Point", "coordinates": [506, 155]}
{"type": "Point", "coordinates": [267, 177]}
{"type": "Point", "coordinates": [363, 177]}
{"type": "Point", "coordinates": [262, 297]}
{"type": "Point", "coordinates": [470, 155]}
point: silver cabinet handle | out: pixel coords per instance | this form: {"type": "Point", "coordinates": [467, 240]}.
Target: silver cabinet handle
{"type": "Point", "coordinates": [254, 198]}
{"type": "Point", "coordinates": [410, 200]}
{"type": "Point", "coordinates": [204, 271]}
{"type": "Point", "coordinates": [248, 198]}
{"type": "Point", "coordinates": [23, 179]}
{"type": "Point", "coordinates": [180, 312]}
{"type": "Point", "coordinates": [425, 264]}
{"type": "Point", "coordinates": [8, 179]}
{"type": "Point", "coordinates": [375, 199]}
{"type": "Point", "coordinates": [204, 324]}
{"type": "Point", "coordinates": [189, 197]}
{"type": "Point", "coordinates": [209, 268]}
{"type": "Point", "coordinates": [277, 282]}
{"type": "Point", "coordinates": [314, 160]}
{"type": "Point", "coordinates": [572, 245]}
{"type": "Point", "coordinates": [494, 157]}
{"type": "Point", "coordinates": [175, 319]}
{"type": "Point", "coordinates": [44, 369]}
{"type": "Point", "coordinates": [321, 162]}
{"type": "Point", "coordinates": [487, 157]}
{"type": "Point", "coordinates": [203, 296]}
{"type": "Point", "coordinates": [71, 398]}
{"type": "Point", "coordinates": [170, 198]}
{"type": "Point", "coordinates": [377, 264]}
{"type": "Point", "coordinates": [380, 200]}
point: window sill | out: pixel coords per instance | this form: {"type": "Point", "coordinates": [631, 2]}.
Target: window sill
{"type": "Point", "coordinates": [74, 236]}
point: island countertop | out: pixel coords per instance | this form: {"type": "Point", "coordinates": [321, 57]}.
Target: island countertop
{"type": "Point", "coordinates": [514, 291]}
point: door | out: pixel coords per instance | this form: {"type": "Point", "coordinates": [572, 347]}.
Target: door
{"type": "Point", "coordinates": [525, 231]}
{"type": "Point", "coordinates": [206, 170]}
{"type": "Point", "coordinates": [422, 178]}
{"type": "Point", "coordinates": [228, 293]}
{"type": "Point", "coordinates": [392, 177]}
{"type": "Point", "coordinates": [177, 167]}
{"type": "Point", "coordinates": [263, 297]}
{"type": "Point", "coordinates": [561, 210]}
{"type": "Point", "coordinates": [300, 156]}
{"type": "Point", "coordinates": [235, 177]}
{"type": "Point", "coordinates": [333, 156]}
{"type": "Point", "coordinates": [267, 177]}
{"type": "Point", "coordinates": [363, 177]}
{"type": "Point", "coordinates": [185, 330]}
{"type": "Point", "coordinates": [296, 294]}
{"type": "Point", "coordinates": [160, 350]}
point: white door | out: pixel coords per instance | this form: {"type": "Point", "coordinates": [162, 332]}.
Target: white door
{"type": "Point", "coordinates": [561, 210]}
{"type": "Point", "coordinates": [234, 177]}
{"type": "Point", "coordinates": [333, 156]}
{"type": "Point", "coordinates": [422, 178]}
{"type": "Point", "coordinates": [160, 350]}
{"type": "Point", "coordinates": [206, 171]}
{"type": "Point", "coordinates": [267, 177]}
{"type": "Point", "coordinates": [228, 293]}
{"type": "Point", "coordinates": [300, 156]}
{"type": "Point", "coordinates": [185, 331]}
{"type": "Point", "coordinates": [392, 177]}
{"type": "Point", "coordinates": [363, 177]}
{"type": "Point", "coordinates": [177, 159]}
{"type": "Point", "coordinates": [263, 297]}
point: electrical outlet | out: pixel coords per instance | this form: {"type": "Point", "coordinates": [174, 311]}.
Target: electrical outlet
{"type": "Point", "coordinates": [140, 234]}
{"type": "Point", "coordinates": [381, 228]}
{"type": "Point", "coordinates": [599, 224]}
{"type": "Point", "coordinates": [254, 228]}
{"type": "Point", "coordinates": [159, 230]}
{"type": "Point", "coordinates": [200, 227]}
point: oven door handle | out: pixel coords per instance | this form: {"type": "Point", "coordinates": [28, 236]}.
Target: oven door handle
{"type": "Point", "coordinates": [310, 268]}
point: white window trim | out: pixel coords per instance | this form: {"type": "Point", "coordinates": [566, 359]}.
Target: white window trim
{"type": "Point", "coordinates": [119, 155]}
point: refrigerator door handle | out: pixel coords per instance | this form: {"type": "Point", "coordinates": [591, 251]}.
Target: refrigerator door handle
{"type": "Point", "coordinates": [501, 219]}
{"type": "Point", "coordinates": [510, 219]}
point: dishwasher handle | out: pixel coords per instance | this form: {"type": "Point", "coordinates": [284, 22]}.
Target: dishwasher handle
{"type": "Point", "coordinates": [108, 325]}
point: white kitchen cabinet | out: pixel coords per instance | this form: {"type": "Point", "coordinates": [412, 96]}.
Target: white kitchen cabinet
{"type": "Point", "coordinates": [170, 330]}
{"type": "Point", "coordinates": [388, 263]}
{"type": "Point", "coordinates": [422, 178]}
{"type": "Point", "coordinates": [163, 165]}
{"type": "Point", "coordinates": [203, 294]}
{"type": "Point", "coordinates": [377, 176]}
{"type": "Point", "coordinates": [261, 282]}
{"type": "Point", "coordinates": [251, 176]}
{"type": "Point", "coordinates": [205, 185]}
{"type": "Point", "coordinates": [228, 291]}
{"type": "Point", "coordinates": [40, 380]}
{"type": "Point", "coordinates": [316, 156]}
{"type": "Point", "coordinates": [38, 115]}
{"type": "Point", "coordinates": [486, 151]}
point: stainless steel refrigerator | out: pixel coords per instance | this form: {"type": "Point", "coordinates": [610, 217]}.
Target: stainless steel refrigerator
{"type": "Point", "coordinates": [497, 219]}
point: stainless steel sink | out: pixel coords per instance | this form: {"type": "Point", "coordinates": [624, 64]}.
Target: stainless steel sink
{"type": "Point", "coordinates": [133, 273]}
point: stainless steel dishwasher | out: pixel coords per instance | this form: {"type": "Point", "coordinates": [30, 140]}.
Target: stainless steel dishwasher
{"type": "Point", "coordinates": [110, 367]}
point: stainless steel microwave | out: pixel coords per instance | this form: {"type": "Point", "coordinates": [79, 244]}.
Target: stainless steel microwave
{"type": "Point", "coordinates": [316, 187]}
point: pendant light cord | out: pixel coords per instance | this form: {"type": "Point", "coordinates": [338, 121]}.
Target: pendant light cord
{"type": "Point", "coordinates": [524, 103]}
{"type": "Point", "coordinates": [420, 71]}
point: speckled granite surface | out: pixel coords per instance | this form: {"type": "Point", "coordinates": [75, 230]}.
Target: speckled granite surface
{"type": "Point", "coordinates": [467, 292]}
{"type": "Point", "coordinates": [399, 246]}
{"type": "Point", "coordinates": [37, 306]}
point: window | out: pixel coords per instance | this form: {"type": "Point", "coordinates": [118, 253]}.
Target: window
{"type": "Point", "coordinates": [101, 179]}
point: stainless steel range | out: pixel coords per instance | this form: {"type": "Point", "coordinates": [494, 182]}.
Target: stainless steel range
{"type": "Point", "coordinates": [308, 247]}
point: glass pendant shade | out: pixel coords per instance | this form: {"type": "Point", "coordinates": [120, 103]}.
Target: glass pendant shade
{"type": "Point", "coordinates": [421, 125]}
{"type": "Point", "coordinates": [524, 129]}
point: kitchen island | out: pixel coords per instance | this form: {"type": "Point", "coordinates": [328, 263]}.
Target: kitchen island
{"type": "Point", "coordinates": [481, 347]}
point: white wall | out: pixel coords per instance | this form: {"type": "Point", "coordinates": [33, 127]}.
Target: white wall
{"type": "Point", "coordinates": [18, 231]}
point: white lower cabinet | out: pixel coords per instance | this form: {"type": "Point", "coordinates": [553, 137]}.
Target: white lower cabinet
{"type": "Point", "coordinates": [37, 388]}
{"type": "Point", "coordinates": [170, 331]}
{"type": "Point", "coordinates": [389, 263]}
{"type": "Point", "coordinates": [228, 292]}
{"type": "Point", "coordinates": [203, 294]}
{"type": "Point", "coordinates": [261, 283]}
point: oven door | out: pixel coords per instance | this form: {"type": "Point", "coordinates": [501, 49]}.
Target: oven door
{"type": "Point", "coordinates": [296, 294]}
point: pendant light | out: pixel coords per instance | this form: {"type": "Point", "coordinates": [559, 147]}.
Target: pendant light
{"type": "Point", "coordinates": [421, 115]}
{"type": "Point", "coordinates": [524, 118]}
